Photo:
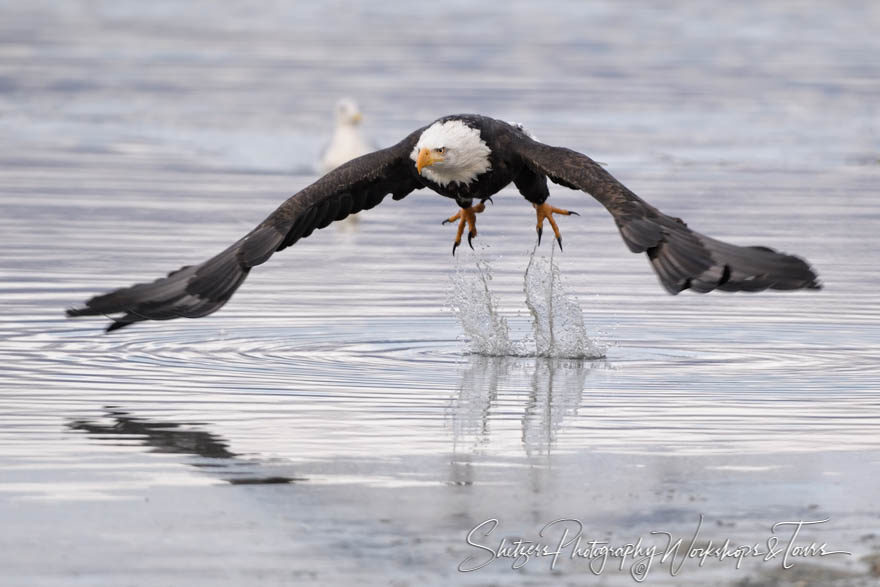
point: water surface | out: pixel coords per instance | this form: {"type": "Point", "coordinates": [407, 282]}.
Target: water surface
{"type": "Point", "coordinates": [328, 425]}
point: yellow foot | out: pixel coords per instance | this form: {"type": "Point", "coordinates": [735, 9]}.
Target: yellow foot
{"type": "Point", "coordinates": [546, 211]}
{"type": "Point", "coordinates": [466, 216]}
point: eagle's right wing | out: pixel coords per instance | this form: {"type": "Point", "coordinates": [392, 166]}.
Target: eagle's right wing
{"type": "Point", "coordinates": [198, 290]}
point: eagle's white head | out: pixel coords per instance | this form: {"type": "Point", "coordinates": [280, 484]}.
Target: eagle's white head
{"type": "Point", "coordinates": [451, 152]}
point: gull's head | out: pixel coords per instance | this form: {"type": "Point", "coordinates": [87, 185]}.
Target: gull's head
{"type": "Point", "coordinates": [451, 152]}
{"type": "Point", "coordinates": [347, 112]}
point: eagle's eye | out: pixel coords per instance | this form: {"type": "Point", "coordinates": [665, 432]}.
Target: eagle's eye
{"type": "Point", "coordinates": [440, 150]}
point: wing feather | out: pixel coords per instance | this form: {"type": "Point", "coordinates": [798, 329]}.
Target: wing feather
{"type": "Point", "coordinates": [682, 258]}
{"type": "Point", "coordinates": [198, 290]}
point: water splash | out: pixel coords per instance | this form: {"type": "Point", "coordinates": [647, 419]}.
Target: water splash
{"type": "Point", "coordinates": [557, 320]}
{"type": "Point", "coordinates": [477, 309]}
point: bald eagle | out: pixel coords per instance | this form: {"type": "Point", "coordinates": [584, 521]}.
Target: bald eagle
{"type": "Point", "coordinates": [467, 158]}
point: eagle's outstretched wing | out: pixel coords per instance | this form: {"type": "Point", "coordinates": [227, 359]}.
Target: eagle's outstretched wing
{"type": "Point", "coordinates": [197, 290]}
{"type": "Point", "coordinates": [682, 258]}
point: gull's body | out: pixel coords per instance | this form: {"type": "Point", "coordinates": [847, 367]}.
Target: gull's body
{"type": "Point", "coordinates": [347, 142]}
{"type": "Point", "coordinates": [467, 158]}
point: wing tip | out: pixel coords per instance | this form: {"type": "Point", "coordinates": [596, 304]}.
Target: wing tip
{"type": "Point", "coordinates": [117, 324]}
{"type": "Point", "coordinates": [803, 277]}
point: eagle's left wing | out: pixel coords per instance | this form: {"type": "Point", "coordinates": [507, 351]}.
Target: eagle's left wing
{"type": "Point", "coordinates": [682, 258]}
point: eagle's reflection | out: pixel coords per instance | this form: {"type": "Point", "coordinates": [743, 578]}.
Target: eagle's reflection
{"type": "Point", "coordinates": [181, 438]}
{"type": "Point", "coordinates": [493, 389]}
{"type": "Point", "coordinates": [165, 437]}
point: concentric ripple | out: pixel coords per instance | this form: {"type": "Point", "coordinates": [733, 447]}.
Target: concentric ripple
{"type": "Point", "coordinates": [377, 378]}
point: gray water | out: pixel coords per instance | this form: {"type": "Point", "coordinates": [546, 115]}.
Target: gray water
{"type": "Point", "coordinates": [330, 426]}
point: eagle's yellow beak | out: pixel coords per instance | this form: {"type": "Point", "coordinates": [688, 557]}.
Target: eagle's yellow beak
{"type": "Point", "coordinates": [427, 157]}
{"type": "Point", "coordinates": [357, 118]}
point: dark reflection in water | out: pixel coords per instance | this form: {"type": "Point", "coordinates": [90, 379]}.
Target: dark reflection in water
{"type": "Point", "coordinates": [178, 438]}
{"type": "Point", "coordinates": [164, 437]}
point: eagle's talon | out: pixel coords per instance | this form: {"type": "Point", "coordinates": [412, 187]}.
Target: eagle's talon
{"type": "Point", "coordinates": [452, 218]}
{"type": "Point", "coordinates": [467, 218]}
{"type": "Point", "coordinates": [545, 211]}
